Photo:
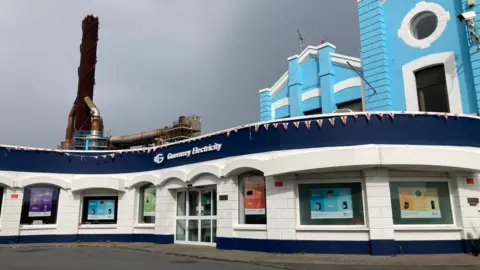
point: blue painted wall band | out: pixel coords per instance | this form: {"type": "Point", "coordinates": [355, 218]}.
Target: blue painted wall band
{"type": "Point", "coordinates": [403, 129]}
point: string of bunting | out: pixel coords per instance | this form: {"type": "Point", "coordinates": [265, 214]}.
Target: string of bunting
{"type": "Point", "coordinates": [344, 120]}
{"type": "Point", "coordinates": [308, 124]}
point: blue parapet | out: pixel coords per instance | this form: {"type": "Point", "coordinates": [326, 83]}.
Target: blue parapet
{"type": "Point", "coordinates": [397, 129]}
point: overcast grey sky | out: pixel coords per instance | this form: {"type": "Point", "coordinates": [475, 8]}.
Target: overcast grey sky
{"type": "Point", "coordinates": [157, 59]}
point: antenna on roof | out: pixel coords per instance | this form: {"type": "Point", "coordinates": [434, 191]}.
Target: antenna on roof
{"type": "Point", "coordinates": [300, 37]}
{"type": "Point", "coordinates": [325, 39]}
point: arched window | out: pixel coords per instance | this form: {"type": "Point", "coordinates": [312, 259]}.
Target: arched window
{"type": "Point", "coordinates": [2, 190]}
{"type": "Point", "coordinates": [148, 200]}
{"type": "Point", "coordinates": [252, 198]}
{"type": "Point", "coordinates": [40, 204]}
{"type": "Point", "coordinates": [432, 89]}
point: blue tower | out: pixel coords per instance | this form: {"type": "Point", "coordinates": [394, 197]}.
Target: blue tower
{"type": "Point", "coordinates": [419, 56]}
{"type": "Point", "coordinates": [318, 80]}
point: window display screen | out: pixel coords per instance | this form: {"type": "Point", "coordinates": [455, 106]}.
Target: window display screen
{"type": "Point", "coordinates": [420, 203]}
{"type": "Point", "coordinates": [100, 210]}
{"type": "Point", "coordinates": [40, 202]}
{"type": "Point", "coordinates": [254, 195]}
{"type": "Point", "coordinates": [331, 203]}
{"type": "Point", "coordinates": [40, 205]}
{"type": "Point", "coordinates": [149, 201]}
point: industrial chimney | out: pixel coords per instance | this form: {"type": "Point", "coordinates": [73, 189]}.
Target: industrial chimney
{"type": "Point", "coordinates": [81, 133]}
{"type": "Point", "coordinates": [86, 71]}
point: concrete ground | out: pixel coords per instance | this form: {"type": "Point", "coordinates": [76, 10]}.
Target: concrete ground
{"type": "Point", "coordinates": [121, 256]}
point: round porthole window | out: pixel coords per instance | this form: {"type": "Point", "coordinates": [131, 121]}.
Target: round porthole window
{"type": "Point", "coordinates": [424, 25]}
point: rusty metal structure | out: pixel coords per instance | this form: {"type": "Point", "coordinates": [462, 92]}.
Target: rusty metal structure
{"type": "Point", "coordinates": [85, 125]}
{"type": "Point", "coordinates": [184, 128]}
{"type": "Point", "coordinates": [86, 71]}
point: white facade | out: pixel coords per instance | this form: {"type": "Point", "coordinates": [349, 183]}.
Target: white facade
{"type": "Point", "coordinates": [373, 166]}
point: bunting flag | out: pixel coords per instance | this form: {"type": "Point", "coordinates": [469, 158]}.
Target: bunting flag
{"type": "Point", "coordinates": [275, 125]}
{"type": "Point", "coordinates": [367, 115]}
{"type": "Point", "coordinates": [392, 115]}
{"type": "Point", "coordinates": [332, 121]}
{"type": "Point", "coordinates": [266, 126]}
{"type": "Point", "coordinates": [297, 124]}
{"type": "Point", "coordinates": [112, 155]}
{"type": "Point", "coordinates": [355, 116]}
{"type": "Point", "coordinates": [285, 126]}
{"type": "Point", "coordinates": [438, 115]}
{"type": "Point", "coordinates": [457, 115]}
{"type": "Point", "coordinates": [413, 115]}
{"type": "Point", "coordinates": [236, 130]}
{"type": "Point", "coordinates": [380, 115]}
{"type": "Point", "coordinates": [67, 154]}
{"type": "Point", "coordinates": [344, 119]}
{"type": "Point", "coordinates": [446, 117]}
{"type": "Point", "coordinates": [228, 133]}
{"type": "Point", "coordinates": [320, 123]}
{"type": "Point", "coordinates": [256, 128]}
{"type": "Point", "coordinates": [104, 156]}
{"type": "Point", "coordinates": [307, 124]}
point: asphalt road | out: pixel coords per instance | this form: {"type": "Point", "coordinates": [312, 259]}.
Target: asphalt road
{"type": "Point", "coordinates": [94, 258]}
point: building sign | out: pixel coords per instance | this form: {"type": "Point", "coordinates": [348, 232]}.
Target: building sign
{"type": "Point", "coordinates": [149, 201]}
{"type": "Point", "coordinates": [101, 210]}
{"type": "Point", "coordinates": [331, 203]}
{"type": "Point", "coordinates": [419, 202]}
{"type": "Point", "coordinates": [254, 195]}
{"type": "Point", "coordinates": [186, 154]}
{"type": "Point", "coordinates": [40, 202]}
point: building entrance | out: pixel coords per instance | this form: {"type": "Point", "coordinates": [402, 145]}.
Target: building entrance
{"type": "Point", "coordinates": [196, 216]}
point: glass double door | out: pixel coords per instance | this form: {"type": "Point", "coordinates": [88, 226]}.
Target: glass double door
{"type": "Point", "coordinates": [196, 215]}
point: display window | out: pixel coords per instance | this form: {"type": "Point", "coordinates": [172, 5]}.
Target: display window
{"type": "Point", "coordinates": [2, 190]}
{"type": "Point", "coordinates": [100, 210]}
{"type": "Point", "coordinates": [331, 204]}
{"type": "Point", "coordinates": [421, 203]}
{"type": "Point", "coordinates": [252, 198]}
{"type": "Point", "coordinates": [147, 203]}
{"type": "Point", "coordinates": [40, 205]}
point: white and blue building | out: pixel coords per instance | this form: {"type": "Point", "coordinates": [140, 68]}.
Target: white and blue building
{"type": "Point", "coordinates": [397, 175]}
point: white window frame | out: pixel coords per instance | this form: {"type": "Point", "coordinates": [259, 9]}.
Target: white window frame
{"type": "Point", "coordinates": [405, 28]}
{"type": "Point", "coordinates": [453, 85]}
{"type": "Point", "coordinates": [98, 192]}
{"type": "Point", "coordinates": [416, 227]}
{"type": "Point", "coordinates": [139, 199]}
{"type": "Point", "coordinates": [241, 208]}
{"type": "Point", "coordinates": [199, 217]}
{"type": "Point", "coordinates": [300, 227]}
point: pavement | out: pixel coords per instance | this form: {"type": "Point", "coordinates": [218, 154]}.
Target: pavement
{"type": "Point", "coordinates": [140, 255]}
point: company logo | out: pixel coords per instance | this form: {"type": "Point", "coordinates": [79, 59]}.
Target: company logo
{"type": "Point", "coordinates": [186, 154]}
{"type": "Point", "coordinates": [158, 159]}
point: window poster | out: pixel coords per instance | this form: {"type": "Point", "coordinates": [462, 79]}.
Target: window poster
{"type": "Point", "coordinates": [331, 203]}
{"type": "Point", "coordinates": [101, 210]}
{"type": "Point", "coordinates": [149, 201]}
{"type": "Point", "coordinates": [40, 202]}
{"type": "Point", "coordinates": [418, 202]}
{"type": "Point", "coordinates": [254, 195]}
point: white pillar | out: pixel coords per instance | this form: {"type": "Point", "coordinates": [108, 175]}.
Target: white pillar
{"type": "Point", "coordinates": [466, 216]}
{"type": "Point", "coordinates": [281, 222]}
{"type": "Point", "coordinates": [379, 211]}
